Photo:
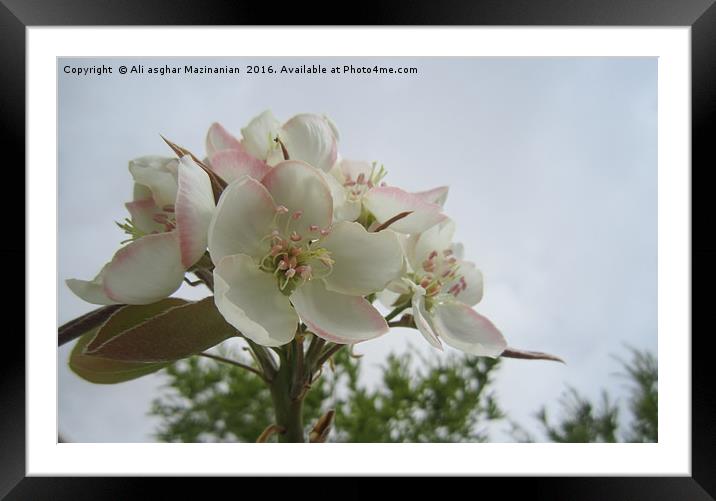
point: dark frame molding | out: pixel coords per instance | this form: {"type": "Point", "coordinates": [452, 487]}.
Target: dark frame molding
{"type": "Point", "coordinates": [700, 15]}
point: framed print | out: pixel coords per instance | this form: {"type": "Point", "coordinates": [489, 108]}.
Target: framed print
{"type": "Point", "coordinates": [286, 262]}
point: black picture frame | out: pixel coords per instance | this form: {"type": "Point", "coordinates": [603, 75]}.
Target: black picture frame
{"type": "Point", "coordinates": [16, 15]}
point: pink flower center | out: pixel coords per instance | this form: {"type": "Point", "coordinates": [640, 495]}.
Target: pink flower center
{"type": "Point", "coordinates": [166, 218]}
{"type": "Point", "coordinates": [293, 253]}
{"type": "Point", "coordinates": [441, 269]}
{"type": "Point", "coordinates": [355, 189]}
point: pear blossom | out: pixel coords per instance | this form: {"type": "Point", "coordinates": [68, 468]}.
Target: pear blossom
{"type": "Point", "coordinates": [442, 289]}
{"type": "Point", "coordinates": [314, 140]}
{"type": "Point", "coordinates": [265, 142]}
{"type": "Point", "coordinates": [170, 214]}
{"type": "Point", "coordinates": [361, 188]}
{"type": "Point", "coordinates": [279, 258]}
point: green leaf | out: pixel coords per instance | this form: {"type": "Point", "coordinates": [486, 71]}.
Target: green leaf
{"type": "Point", "coordinates": [173, 334]}
{"type": "Point", "coordinates": [103, 371]}
{"type": "Point", "coordinates": [128, 317]}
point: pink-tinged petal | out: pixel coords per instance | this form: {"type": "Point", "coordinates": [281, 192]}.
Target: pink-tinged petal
{"type": "Point", "coordinates": [469, 281]}
{"type": "Point", "coordinates": [145, 271]}
{"type": "Point", "coordinates": [463, 328]}
{"type": "Point", "coordinates": [422, 318]}
{"type": "Point", "coordinates": [232, 164]}
{"type": "Point", "coordinates": [159, 174]}
{"type": "Point", "coordinates": [301, 189]}
{"type": "Point", "coordinates": [435, 196]}
{"type": "Point", "coordinates": [194, 208]}
{"type": "Point", "coordinates": [243, 217]}
{"type": "Point", "coordinates": [363, 262]}
{"type": "Point", "coordinates": [337, 317]}
{"type": "Point", "coordinates": [260, 134]}
{"type": "Point", "coordinates": [143, 214]}
{"type": "Point", "coordinates": [91, 291]}
{"type": "Point", "coordinates": [218, 139]}
{"type": "Point", "coordinates": [249, 299]}
{"type": "Point", "coordinates": [437, 238]}
{"type": "Point", "coordinates": [386, 202]}
{"type": "Point", "coordinates": [311, 139]}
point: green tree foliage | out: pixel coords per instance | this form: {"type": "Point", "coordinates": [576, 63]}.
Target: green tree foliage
{"type": "Point", "coordinates": [446, 400]}
{"type": "Point", "coordinates": [443, 401]}
{"type": "Point", "coordinates": [644, 400]}
{"type": "Point", "coordinates": [582, 420]}
{"type": "Point", "coordinates": [210, 401]}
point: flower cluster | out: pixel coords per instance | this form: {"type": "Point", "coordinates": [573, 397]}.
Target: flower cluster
{"type": "Point", "coordinates": [298, 239]}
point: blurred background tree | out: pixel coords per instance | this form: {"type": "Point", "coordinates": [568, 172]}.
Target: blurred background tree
{"type": "Point", "coordinates": [582, 420]}
{"type": "Point", "coordinates": [450, 400]}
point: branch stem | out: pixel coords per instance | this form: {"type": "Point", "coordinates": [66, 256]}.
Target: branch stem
{"type": "Point", "coordinates": [287, 408]}
{"type": "Point", "coordinates": [299, 377]}
{"type": "Point", "coordinates": [75, 328]}
{"type": "Point", "coordinates": [314, 350]}
{"type": "Point", "coordinates": [207, 277]}
{"type": "Point", "coordinates": [328, 353]}
{"type": "Point", "coordinates": [396, 311]}
{"type": "Point", "coordinates": [392, 220]}
{"type": "Point", "coordinates": [265, 360]}
{"type": "Point", "coordinates": [233, 362]}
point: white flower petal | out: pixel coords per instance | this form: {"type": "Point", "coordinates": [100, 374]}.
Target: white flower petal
{"type": "Point", "coordinates": [218, 139]}
{"type": "Point", "coordinates": [435, 196]}
{"type": "Point", "coordinates": [343, 209]}
{"type": "Point", "coordinates": [387, 298]}
{"type": "Point", "coordinates": [363, 262]}
{"type": "Point", "coordinates": [349, 170]}
{"type": "Point", "coordinates": [91, 291]}
{"type": "Point", "coordinates": [421, 317]}
{"type": "Point", "coordinates": [386, 202]}
{"type": "Point", "coordinates": [232, 164]}
{"type": "Point", "coordinates": [301, 188]}
{"type": "Point", "coordinates": [311, 139]}
{"type": "Point", "coordinates": [145, 271]}
{"type": "Point", "coordinates": [463, 328]}
{"type": "Point", "coordinates": [401, 285]}
{"type": "Point", "coordinates": [458, 250]}
{"type": "Point", "coordinates": [348, 211]}
{"type": "Point", "coordinates": [333, 126]}
{"type": "Point", "coordinates": [437, 238]}
{"type": "Point", "coordinates": [249, 299]}
{"type": "Point", "coordinates": [473, 280]}
{"type": "Point", "coordinates": [275, 156]}
{"type": "Point", "coordinates": [337, 317]}
{"type": "Point", "coordinates": [242, 219]}
{"type": "Point", "coordinates": [159, 174]}
{"type": "Point", "coordinates": [141, 192]}
{"type": "Point", "coordinates": [259, 135]}
{"type": "Point", "coordinates": [194, 208]}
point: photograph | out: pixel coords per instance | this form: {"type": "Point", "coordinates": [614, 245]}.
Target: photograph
{"type": "Point", "coordinates": [357, 249]}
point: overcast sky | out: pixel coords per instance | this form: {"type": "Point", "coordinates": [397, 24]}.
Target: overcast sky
{"type": "Point", "coordinates": [551, 164]}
